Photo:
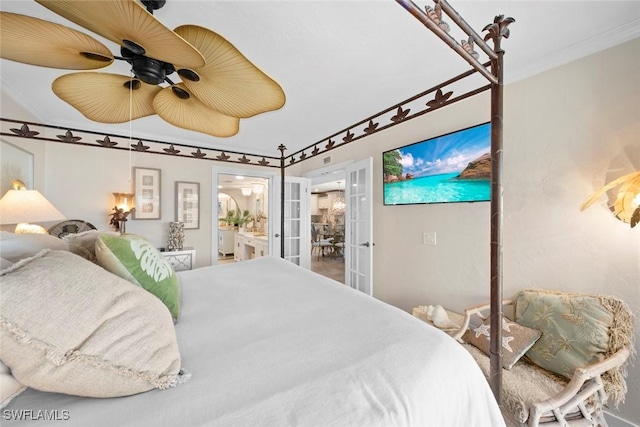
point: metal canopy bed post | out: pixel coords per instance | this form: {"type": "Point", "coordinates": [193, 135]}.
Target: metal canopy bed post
{"type": "Point", "coordinates": [496, 30]}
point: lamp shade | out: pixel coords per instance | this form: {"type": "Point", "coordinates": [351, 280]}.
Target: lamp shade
{"type": "Point", "coordinates": [246, 191]}
{"type": "Point", "coordinates": [124, 201]}
{"type": "Point", "coordinates": [20, 206]}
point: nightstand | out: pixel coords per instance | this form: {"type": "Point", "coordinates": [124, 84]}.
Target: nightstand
{"type": "Point", "coordinates": [453, 316]}
{"type": "Point", "coordinates": [181, 260]}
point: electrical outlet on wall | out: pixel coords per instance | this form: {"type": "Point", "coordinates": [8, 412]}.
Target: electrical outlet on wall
{"type": "Point", "coordinates": [429, 238]}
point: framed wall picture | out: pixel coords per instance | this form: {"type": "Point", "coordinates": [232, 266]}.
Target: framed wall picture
{"type": "Point", "coordinates": [146, 184]}
{"type": "Point", "coordinates": [188, 204]}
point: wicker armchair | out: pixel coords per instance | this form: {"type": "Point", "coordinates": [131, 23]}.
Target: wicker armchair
{"type": "Point", "coordinates": [534, 395]}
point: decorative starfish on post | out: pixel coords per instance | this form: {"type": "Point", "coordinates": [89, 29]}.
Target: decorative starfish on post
{"type": "Point", "coordinates": [436, 16]}
{"type": "Point", "coordinates": [468, 46]}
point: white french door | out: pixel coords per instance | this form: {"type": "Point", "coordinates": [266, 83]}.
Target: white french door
{"type": "Point", "coordinates": [297, 248]}
{"type": "Point", "coordinates": [359, 227]}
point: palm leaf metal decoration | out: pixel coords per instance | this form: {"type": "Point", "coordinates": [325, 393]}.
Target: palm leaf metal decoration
{"type": "Point", "coordinates": [627, 204]}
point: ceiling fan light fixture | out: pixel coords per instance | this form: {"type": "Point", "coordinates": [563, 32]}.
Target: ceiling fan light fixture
{"type": "Point", "coordinates": [219, 84]}
{"type": "Point", "coordinates": [97, 57]}
{"type": "Point", "coordinates": [179, 92]}
{"type": "Point", "coordinates": [133, 84]}
{"type": "Point", "coordinates": [133, 47]}
{"type": "Point", "coordinates": [187, 74]}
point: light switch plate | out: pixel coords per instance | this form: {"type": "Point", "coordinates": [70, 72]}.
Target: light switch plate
{"type": "Point", "coordinates": [429, 238]}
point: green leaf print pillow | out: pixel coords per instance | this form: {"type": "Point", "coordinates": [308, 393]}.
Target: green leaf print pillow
{"type": "Point", "coordinates": [135, 259]}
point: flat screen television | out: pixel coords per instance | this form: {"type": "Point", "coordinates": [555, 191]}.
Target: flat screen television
{"type": "Point", "coordinates": [450, 168]}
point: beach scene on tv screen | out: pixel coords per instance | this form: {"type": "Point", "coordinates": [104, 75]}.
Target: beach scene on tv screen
{"type": "Point", "coordinates": [455, 167]}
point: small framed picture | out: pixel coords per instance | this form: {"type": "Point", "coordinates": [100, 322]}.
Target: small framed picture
{"type": "Point", "coordinates": [146, 184]}
{"type": "Point", "coordinates": [188, 204]}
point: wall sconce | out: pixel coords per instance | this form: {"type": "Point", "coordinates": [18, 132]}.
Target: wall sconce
{"type": "Point", "coordinates": [121, 210]}
{"type": "Point", "coordinates": [21, 206]}
{"type": "Point", "coordinates": [246, 191]}
{"type": "Point", "coordinates": [627, 204]}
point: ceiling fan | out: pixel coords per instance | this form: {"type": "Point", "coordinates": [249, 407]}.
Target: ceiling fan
{"type": "Point", "coordinates": [218, 86]}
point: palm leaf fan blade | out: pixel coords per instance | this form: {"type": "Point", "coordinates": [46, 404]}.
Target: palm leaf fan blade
{"type": "Point", "coordinates": [229, 82]}
{"type": "Point", "coordinates": [106, 98]}
{"type": "Point", "coordinates": [191, 114]}
{"type": "Point", "coordinates": [119, 20]}
{"type": "Point", "coordinates": [38, 42]}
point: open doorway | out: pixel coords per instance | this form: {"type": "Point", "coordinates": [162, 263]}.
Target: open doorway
{"type": "Point", "coordinates": [242, 213]}
{"type": "Point", "coordinates": [328, 205]}
{"type": "Point", "coordinates": [352, 186]}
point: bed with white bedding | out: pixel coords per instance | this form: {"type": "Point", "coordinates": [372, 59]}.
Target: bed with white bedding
{"type": "Point", "coordinates": [271, 344]}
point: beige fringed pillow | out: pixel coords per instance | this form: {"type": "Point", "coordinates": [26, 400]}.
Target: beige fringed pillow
{"type": "Point", "coordinates": [69, 326]}
{"type": "Point", "coordinates": [577, 330]}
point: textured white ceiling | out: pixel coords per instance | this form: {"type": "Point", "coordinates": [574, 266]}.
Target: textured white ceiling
{"type": "Point", "coordinates": [338, 61]}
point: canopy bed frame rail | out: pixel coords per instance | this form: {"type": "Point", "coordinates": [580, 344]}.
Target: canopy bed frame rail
{"type": "Point", "coordinates": [494, 74]}
{"type": "Point", "coordinates": [394, 115]}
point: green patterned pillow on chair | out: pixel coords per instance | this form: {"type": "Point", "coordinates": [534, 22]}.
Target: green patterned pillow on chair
{"type": "Point", "coordinates": [135, 259]}
{"type": "Point", "coordinates": [575, 329]}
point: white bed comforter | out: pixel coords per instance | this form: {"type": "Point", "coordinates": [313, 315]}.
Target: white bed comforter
{"type": "Point", "coordinates": [271, 344]}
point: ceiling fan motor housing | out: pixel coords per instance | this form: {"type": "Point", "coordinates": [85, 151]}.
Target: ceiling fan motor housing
{"type": "Point", "coordinates": [152, 5]}
{"type": "Point", "coordinates": [149, 70]}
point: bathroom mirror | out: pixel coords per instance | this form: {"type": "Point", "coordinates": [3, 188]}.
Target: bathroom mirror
{"type": "Point", "coordinates": [226, 203]}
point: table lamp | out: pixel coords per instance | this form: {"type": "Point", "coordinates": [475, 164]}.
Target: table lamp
{"type": "Point", "coordinates": [21, 206]}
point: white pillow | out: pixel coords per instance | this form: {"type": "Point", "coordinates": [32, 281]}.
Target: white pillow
{"type": "Point", "coordinates": [14, 247]}
{"type": "Point", "coordinates": [9, 386]}
{"type": "Point", "coordinates": [84, 244]}
{"type": "Point", "coordinates": [5, 263]}
{"type": "Point", "coordinates": [69, 326]}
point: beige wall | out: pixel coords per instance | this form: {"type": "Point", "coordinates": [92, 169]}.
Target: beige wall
{"type": "Point", "coordinates": [567, 131]}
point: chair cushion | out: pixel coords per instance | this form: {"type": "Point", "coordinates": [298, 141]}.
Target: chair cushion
{"type": "Point", "coordinates": [522, 386]}
{"type": "Point", "coordinates": [516, 340]}
{"type": "Point", "coordinates": [575, 329]}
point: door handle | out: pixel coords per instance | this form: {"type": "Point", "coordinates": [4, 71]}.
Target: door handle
{"type": "Point", "coordinates": [365, 244]}
{"type": "Point", "coordinates": [276, 235]}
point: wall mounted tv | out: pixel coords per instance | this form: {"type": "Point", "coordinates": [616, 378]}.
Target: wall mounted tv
{"type": "Point", "coordinates": [451, 168]}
